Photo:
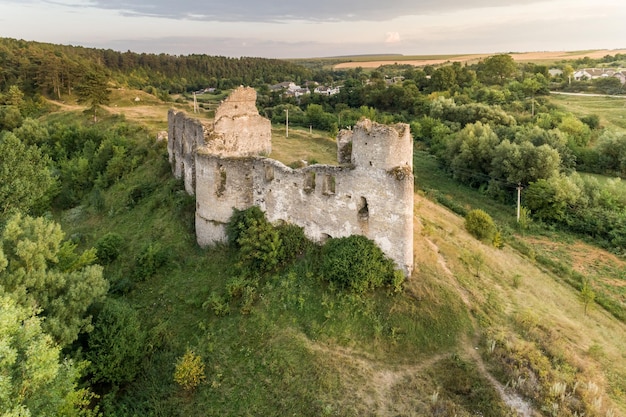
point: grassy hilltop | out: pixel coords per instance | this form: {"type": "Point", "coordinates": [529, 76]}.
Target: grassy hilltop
{"type": "Point", "coordinates": [477, 330]}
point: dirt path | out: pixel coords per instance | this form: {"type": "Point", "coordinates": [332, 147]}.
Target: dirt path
{"type": "Point", "coordinates": [381, 379]}
{"type": "Point", "coordinates": [516, 402]}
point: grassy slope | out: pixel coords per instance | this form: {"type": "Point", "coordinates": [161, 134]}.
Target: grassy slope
{"type": "Point", "coordinates": [307, 349]}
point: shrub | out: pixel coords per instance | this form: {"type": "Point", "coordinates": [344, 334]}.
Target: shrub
{"type": "Point", "coordinates": [218, 304]}
{"type": "Point", "coordinates": [480, 225]}
{"type": "Point", "coordinates": [189, 372]}
{"type": "Point", "coordinates": [259, 242]}
{"type": "Point", "coordinates": [241, 221]}
{"type": "Point", "coordinates": [294, 241]}
{"type": "Point", "coordinates": [108, 248]}
{"type": "Point", "coordinates": [260, 247]}
{"type": "Point", "coordinates": [151, 258]}
{"type": "Point", "coordinates": [356, 263]}
{"type": "Point", "coordinates": [116, 345]}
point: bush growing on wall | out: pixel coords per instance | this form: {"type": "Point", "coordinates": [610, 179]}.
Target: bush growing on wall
{"type": "Point", "coordinates": [294, 241]}
{"type": "Point", "coordinates": [260, 247]}
{"type": "Point", "coordinates": [356, 263]}
{"type": "Point", "coordinates": [240, 221]}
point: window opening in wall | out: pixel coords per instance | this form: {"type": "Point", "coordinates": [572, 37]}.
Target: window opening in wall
{"type": "Point", "coordinates": [309, 182]}
{"type": "Point", "coordinates": [221, 181]}
{"type": "Point", "coordinates": [364, 212]}
{"type": "Point", "coordinates": [269, 173]}
{"type": "Point", "coordinates": [329, 185]}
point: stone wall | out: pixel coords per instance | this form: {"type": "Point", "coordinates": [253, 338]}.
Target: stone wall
{"type": "Point", "coordinates": [369, 193]}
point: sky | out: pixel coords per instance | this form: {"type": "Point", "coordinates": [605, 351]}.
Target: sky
{"type": "Point", "coordinates": [319, 28]}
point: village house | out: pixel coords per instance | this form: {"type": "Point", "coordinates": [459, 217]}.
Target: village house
{"type": "Point", "coordinates": [327, 91]}
{"type": "Point", "coordinates": [594, 73]}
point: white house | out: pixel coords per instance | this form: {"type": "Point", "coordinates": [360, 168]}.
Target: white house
{"type": "Point", "coordinates": [327, 91]}
{"type": "Point", "coordinates": [594, 73]}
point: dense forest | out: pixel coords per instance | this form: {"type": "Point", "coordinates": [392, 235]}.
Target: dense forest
{"type": "Point", "coordinates": [54, 70]}
{"type": "Point", "coordinates": [72, 342]}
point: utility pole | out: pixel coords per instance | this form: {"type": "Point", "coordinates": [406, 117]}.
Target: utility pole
{"type": "Point", "coordinates": [287, 124]}
{"type": "Point", "coordinates": [195, 103]}
{"type": "Point", "coordinates": [519, 200]}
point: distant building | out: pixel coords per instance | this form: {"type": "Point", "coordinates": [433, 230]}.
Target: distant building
{"type": "Point", "coordinates": [594, 73]}
{"type": "Point", "coordinates": [290, 89]}
{"type": "Point", "coordinates": [555, 72]}
{"type": "Point", "coordinates": [326, 91]}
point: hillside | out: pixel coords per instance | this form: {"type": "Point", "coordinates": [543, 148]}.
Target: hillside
{"type": "Point", "coordinates": [476, 328]}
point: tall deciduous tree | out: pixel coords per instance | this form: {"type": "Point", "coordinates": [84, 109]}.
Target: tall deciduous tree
{"type": "Point", "coordinates": [497, 69]}
{"type": "Point", "coordinates": [42, 271]}
{"type": "Point", "coordinates": [34, 381]}
{"type": "Point", "coordinates": [93, 90]}
{"type": "Point", "coordinates": [524, 163]}
{"type": "Point", "coordinates": [471, 151]}
{"type": "Point", "coordinates": [25, 178]}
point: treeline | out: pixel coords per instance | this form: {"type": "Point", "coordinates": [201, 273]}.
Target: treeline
{"type": "Point", "coordinates": [54, 70]}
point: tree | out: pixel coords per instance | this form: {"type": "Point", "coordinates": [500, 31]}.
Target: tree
{"type": "Point", "coordinates": [611, 148]}
{"type": "Point", "coordinates": [32, 132]}
{"type": "Point", "coordinates": [10, 118]}
{"type": "Point", "coordinates": [116, 345]}
{"type": "Point", "coordinates": [587, 295]}
{"type": "Point", "coordinates": [524, 163]}
{"type": "Point", "coordinates": [15, 97]}
{"type": "Point", "coordinates": [25, 179]}
{"type": "Point", "coordinates": [471, 153]}
{"type": "Point", "coordinates": [43, 271]}
{"type": "Point", "coordinates": [497, 69]}
{"type": "Point", "coordinates": [533, 85]}
{"type": "Point", "coordinates": [443, 79]}
{"type": "Point", "coordinates": [93, 90]}
{"type": "Point", "coordinates": [33, 378]}
{"type": "Point", "coordinates": [578, 132]}
{"type": "Point", "coordinates": [550, 199]}
{"type": "Point", "coordinates": [568, 71]}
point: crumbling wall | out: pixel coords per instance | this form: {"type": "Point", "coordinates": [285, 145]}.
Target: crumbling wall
{"type": "Point", "coordinates": [237, 130]}
{"type": "Point", "coordinates": [370, 194]}
{"type": "Point", "coordinates": [185, 135]}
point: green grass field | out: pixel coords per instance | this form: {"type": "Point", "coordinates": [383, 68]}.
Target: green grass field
{"type": "Point", "coordinates": [611, 110]}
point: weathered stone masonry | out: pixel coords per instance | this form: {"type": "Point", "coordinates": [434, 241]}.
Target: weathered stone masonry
{"type": "Point", "coordinates": [369, 193]}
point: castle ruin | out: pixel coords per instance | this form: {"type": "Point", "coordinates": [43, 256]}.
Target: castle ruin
{"type": "Point", "coordinates": [369, 192]}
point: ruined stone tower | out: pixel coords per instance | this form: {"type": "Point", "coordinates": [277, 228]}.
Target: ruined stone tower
{"type": "Point", "coordinates": [369, 193]}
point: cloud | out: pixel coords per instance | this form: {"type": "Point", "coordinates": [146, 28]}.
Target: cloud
{"type": "Point", "coordinates": [392, 37]}
{"type": "Point", "coordinates": [294, 10]}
